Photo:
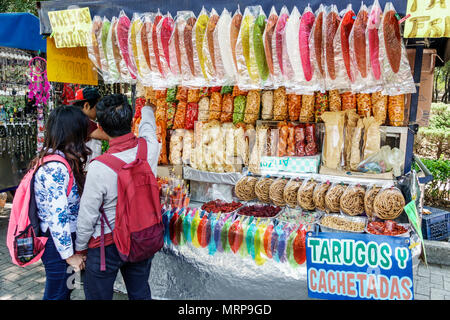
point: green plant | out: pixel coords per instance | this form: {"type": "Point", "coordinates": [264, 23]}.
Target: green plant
{"type": "Point", "coordinates": [437, 134]}
{"type": "Point", "coordinates": [437, 192]}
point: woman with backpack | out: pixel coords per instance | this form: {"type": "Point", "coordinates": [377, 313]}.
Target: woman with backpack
{"type": "Point", "coordinates": [57, 190]}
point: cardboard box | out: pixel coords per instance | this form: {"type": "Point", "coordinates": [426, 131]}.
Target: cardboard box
{"type": "Point", "coordinates": [426, 86]}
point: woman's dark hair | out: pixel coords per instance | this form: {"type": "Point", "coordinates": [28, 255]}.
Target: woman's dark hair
{"type": "Point", "coordinates": [66, 131]}
{"type": "Point", "coordinates": [114, 115]}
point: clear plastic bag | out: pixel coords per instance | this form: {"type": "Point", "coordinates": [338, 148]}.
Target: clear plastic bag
{"type": "Point", "coordinates": [334, 98]}
{"type": "Point", "coordinates": [374, 81]}
{"type": "Point", "coordinates": [252, 107]}
{"type": "Point", "coordinates": [305, 195]}
{"type": "Point", "coordinates": [278, 49]}
{"type": "Point", "coordinates": [258, 48]}
{"type": "Point", "coordinates": [307, 109]}
{"type": "Point", "coordinates": [333, 145]}
{"type": "Point", "coordinates": [92, 43]}
{"type": "Point", "coordinates": [379, 106]}
{"type": "Point", "coordinates": [385, 160]}
{"type": "Point", "coordinates": [319, 195]}
{"type": "Point", "coordinates": [388, 203]}
{"type": "Point", "coordinates": [364, 104]}
{"type": "Point", "coordinates": [141, 51]}
{"type": "Point", "coordinates": [258, 149]}
{"type": "Point", "coordinates": [330, 29]}
{"type": "Point", "coordinates": [397, 77]}
{"type": "Point", "coordinates": [268, 36]}
{"type": "Point", "coordinates": [185, 22]}
{"type": "Point", "coordinates": [276, 192]}
{"type": "Point", "coordinates": [317, 48]}
{"type": "Point", "coordinates": [267, 105]}
{"type": "Point", "coordinates": [106, 25]}
{"type": "Point", "coordinates": [210, 54]}
{"type": "Point", "coordinates": [215, 106]}
{"type": "Point", "coordinates": [344, 72]}
{"type": "Point", "coordinates": [321, 105]}
{"type": "Point", "coordinates": [262, 189]}
{"type": "Point", "coordinates": [333, 197]}
{"type": "Point", "coordinates": [310, 82]}
{"type": "Point", "coordinates": [164, 31]}
{"type": "Point", "coordinates": [292, 38]}
{"type": "Point", "coordinates": [396, 110]}
{"type": "Point", "coordinates": [247, 69]}
{"type": "Point", "coordinates": [280, 107]}
{"type": "Point", "coordinates": [355, 147]}
{"type": "Point", "coordinates": [198, 35]}
{"type": "Point", "coordinates": [176, 147]}
{"type": "Point", "coordinates": [369, 197]}
{"type": "Point", "coordinates": [352, 200]}
{"type": "Point", "coordinates": [122, 30]}
{"type": "Point", "coordinates": [294, 102]}
{"type": "Point", "coordinates": [224, 58]}
{"type": "Point", "coordinates": [239, 109]}
{"type": "Point", "coordinates": [245, 188]}
{"type": "Point", "coordinates": [203, 109]}
{"type": "Point", "coordinates": [113, 54]}
{"type": "Point", "coordinates": [358, 44]}
{"type": "Point", "coordinates": [227, 108]}
{"type": "Point", "coordinates": [291, 191]}
{"type": "Point", "coordinates": [235, 27]}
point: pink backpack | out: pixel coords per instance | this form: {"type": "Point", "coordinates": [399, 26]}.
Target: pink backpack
{"type": "Point", "coordinates": [24, 239]}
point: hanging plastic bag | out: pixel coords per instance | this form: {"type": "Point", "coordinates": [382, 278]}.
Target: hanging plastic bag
{"type": "Point", "coordinates": [258, 47]}
{"type": "Point", "coordinates": [305, 194]}
{"type": "Point", "coordinates": [198, 34]}
{"type": "Point", "coordinates": [112, 53]}
{"type": "Point", "coordinates": [292, 37]}
{"type": "Point", "coordinates": [352, 200]}
{"type": "Point", "coordinates": [333, 197]}
{"type": "Point", "coordinates": [290, 192]}
{"type": "Point", "coordinates": [317, 48]}
{"type": "Point", "coordinates": [174, 49]}
{"type": "Point", "coordinates": [141, 50]}
{"type": "Point", "coordinates": [185, 21]}
{"type": "Point", "coordinates": [247, 69]}
{"type": "Point", "coordinates": [93, 43]}
{"type": "Point", "coordinates": [277, 48]}
{"type": "Point", "coordinates": [319, 195]}
{"type": "Point", "coordinates": [310, 82]}
{"type": "Point", "coordinates": [259, 243]}
{"type": "Point", "coordinates": [224, 55]}
{"type": "Point", "coordinates": [106, 25]}
{"type": "Point", "coordinates": [375, 81]}
{"type": "Point", "coordinates": [123, 28]}
{"type": "Point", "coordinates": [268, 36]}
{"type": "Point", "coordinates": [344, 72]}
{"type": "Point", "coordinates": [209, 52]}
{"type": "Point", "coordinates": [358, 43]}
{"type": "Point", "coordinates": [164, 31]}
{"type": "Point", "coordinates": [235, 27]}
{"type": "Point", "coordinates": [331, 26]}
{"type": "Point", "coordinates": [397, 77]}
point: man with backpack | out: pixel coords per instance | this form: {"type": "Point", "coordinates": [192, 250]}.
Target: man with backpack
{"type": "Point", "coordinates": [119, 222]}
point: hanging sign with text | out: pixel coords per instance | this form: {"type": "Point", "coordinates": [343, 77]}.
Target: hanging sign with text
{"type": "Point", "coordinates": [347, 266]}
{"type": "Point", "coordinates": [70, 28]}
{"type": "Point", "coordinates": [427, 19]}
{"type": "Point", "coordinates": [69, 65]}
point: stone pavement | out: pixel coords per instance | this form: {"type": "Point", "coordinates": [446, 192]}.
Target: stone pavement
{"type": "Point", "coordinates": [432, 283]}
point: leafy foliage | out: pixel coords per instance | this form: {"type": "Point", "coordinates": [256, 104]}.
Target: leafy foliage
{"type": "Point", "coordinates": [437, 192]}
{"type": "Point", "coordinates": [18, 6]}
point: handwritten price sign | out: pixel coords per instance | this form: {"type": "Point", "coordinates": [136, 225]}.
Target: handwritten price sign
{"type": "Point", "coordinates": [71, 28]}
{"type": "Point", "coordinates": [428, 19]}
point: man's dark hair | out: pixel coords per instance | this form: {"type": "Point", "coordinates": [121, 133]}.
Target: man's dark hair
{"type": "Point", "coordinates": [90, 95]}
{"type": "Point", "coordinates": [114, 115]}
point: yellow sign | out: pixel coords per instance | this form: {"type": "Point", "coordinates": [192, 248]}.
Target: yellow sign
{"type": "Point", "coordinates": [70, 65]}
{"type": "Point", "coordinates": [70, 28]}
{"type": "Point", "coordinates": [429, 19]}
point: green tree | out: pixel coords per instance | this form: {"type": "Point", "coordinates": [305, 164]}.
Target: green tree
{"type": "Point", "coordinates": [18, 6]}
{"type": "Point", "coordinates": [438, 131]}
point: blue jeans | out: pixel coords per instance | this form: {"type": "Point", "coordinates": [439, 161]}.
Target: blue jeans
{"type": "Point", "coordinates": [57, 273]}
{"type": "Point", "coordinates": [99, 285]}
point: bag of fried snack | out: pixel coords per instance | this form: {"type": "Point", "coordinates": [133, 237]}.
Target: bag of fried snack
{"type": "Point", "coordinates": [372, 137]}
{"type": "Point", "coordinates": [251, 113]}
{"type": "Point", "coordinates": [307, 108]}
{"type": "Point", "coordinates": [294, 105]}
{"type": "Point", "coordinates": [396, 110]}
{"type": "Point", "coordinates": [280, 107]}
{"type": "Point", "coordinates": [267, 105]}
{"type": "Point", "coordinates": [333, 145]}
{"type": "Point", "coordinates": [379, 106]}
{"type": "Point", "coordinates": [215, 106]}
{"type": "Point", "coordinates": [351, 120]}
{"type": "Point", "coordinates": [334, 100]}
{"type": "Point", "coordinates": [305, 194]}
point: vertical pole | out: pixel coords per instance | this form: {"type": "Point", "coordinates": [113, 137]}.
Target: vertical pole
{"type": "Point", "coordinates": [412, 126]}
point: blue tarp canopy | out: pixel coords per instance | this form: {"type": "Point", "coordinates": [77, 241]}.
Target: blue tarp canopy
{"type": "Point", "coordinates": [110, 8]}
{"type": "Point", "coordinates": [21, 31]}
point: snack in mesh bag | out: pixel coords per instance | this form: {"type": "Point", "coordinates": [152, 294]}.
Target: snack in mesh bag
{"type": "Point", "coordinates": [321, 105]}
{"type": "Point", "coordinates": [299, 135]}
{"type": "Point", "coordinates": [267, 105]}
{"type": "Point", "coordinates": [245, 188]}
{"type": "Point", "coordinates": [334, 100]}
{"type": "Point", "coordinates": [369, 198]}
{"type": "Point", "coordinates": [294, 105]}
{"type": "Point", "coordinates": [333, 197]}
{"type": "Point", "coordinates": [379, 106]}
{"type": "Point", "coordinates": [276, 192]}
{"type": "Point", "coordinates": [396, 110]}
{"type": "Point", "coordinates": [203, 109]}
{"type": "Point", "coordinates": [262, 189]}
{"type": "Point", "coordinates": [305, 194]}
{"type": "Point", "coordinates": [319, 195]}
{"type": "Point", "coordinates": [290, 192]}
{"type": "Point", "coordinates": [352, 200]}
{"type": "Point", "coordinates": [280, 107]}
{"type": "Point", "coordinates": [388, 203]}
{"type": "Point", "coordinates": [180, 115]}
{"type": "Point", "coordinates": [226, 114]}
{"type": "Point", "coordinates": [348, 100]}
{"type": "Point", "coordinates": [364, 104]}
{"type": "Point", "coordinates": [251, 113]}
{"type": "Point", "coordinates": [307, 108]}
{"type": "Point", "coordinates": [215, 106]}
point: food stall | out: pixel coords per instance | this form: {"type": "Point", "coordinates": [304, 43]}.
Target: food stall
{"type": "Point", "coordinates": [283, 128]}
{"type": "Point", "coordinates": [20, 42]}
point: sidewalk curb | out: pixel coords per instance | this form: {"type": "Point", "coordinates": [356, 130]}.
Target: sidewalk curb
{"type": "Point", "coordinates": [438, 252]}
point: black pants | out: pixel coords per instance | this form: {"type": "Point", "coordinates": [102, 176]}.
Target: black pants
{"type": "Point", "coordinates": [99, 285]}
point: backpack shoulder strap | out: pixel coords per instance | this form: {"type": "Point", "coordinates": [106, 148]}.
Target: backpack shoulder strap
{"type": "Point", "coordinates": [111, 161]}
{"type": "Point", "coordinates": [142, 149]}
{"type": "Point", "coordinates": [58, 158]}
